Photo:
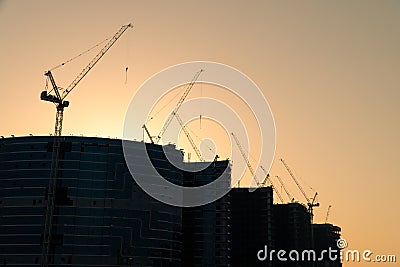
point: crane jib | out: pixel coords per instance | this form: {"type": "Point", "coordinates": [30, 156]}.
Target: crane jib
{"type": "Point", "coordinates": [48, 240]}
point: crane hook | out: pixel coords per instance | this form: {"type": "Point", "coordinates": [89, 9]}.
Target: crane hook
{"type": "Point", "coordinates": [126, 75]}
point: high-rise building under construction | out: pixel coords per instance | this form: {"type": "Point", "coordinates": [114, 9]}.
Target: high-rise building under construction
{"type": "Point", "coordinates": [101, 217]}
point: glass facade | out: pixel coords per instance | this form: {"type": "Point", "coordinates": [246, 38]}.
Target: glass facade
{"type": "Point", "coordinates": [101, 217]}
{"type": "Point", "coordinates": [326, 236]}
{"type": "Point", "coordinates": [292, 223]}
{"type": "Point", "coordinates": [251, 225]}
{"type": "Point", "coordinates": [206, 229]}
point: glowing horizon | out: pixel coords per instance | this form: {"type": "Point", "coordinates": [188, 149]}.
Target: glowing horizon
{"type": "Point", "coordinates": [329, 71]}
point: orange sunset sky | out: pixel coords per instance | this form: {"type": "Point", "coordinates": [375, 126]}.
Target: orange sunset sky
{"type": "Point", "coordinates": [330, 71]}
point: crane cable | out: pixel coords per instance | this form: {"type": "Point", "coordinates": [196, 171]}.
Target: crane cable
{"type": "Point", "coordinates": [198, 138]}
{"type": "Point", "coordinates": [169, 102]}
{"type": "Point", "coordinates": [163, 107]}
{"type": "Point", "coordinates": [81, 54]}
{"type": "Point", "coordinates": [126, 59]}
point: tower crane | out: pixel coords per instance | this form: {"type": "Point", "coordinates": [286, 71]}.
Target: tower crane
{"type": "Point", "coordinates": [327, 213]}
{"type": "Point", "coordinates": [268, 178]}
{"type": "Point", "coordinates": [58, 98]}
{"type": "Point", "coordinates": [185, 130]}
{"type": "Point", "coordinates": [60, 94]}
{"type": "Point", "coordinates": [181, 100]}
{"type": "Point", "coordinates": [284, 188]}
{"type": "Point", "coordinates": [148, 133]}
{"type": "Point", "coordinates": [178, 118]}
{"type": "Point", "coordinates": [246, 159]}
{"type": "Point", "coordinates": [311, 204]}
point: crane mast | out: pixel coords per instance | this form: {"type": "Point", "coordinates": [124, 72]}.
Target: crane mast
{"type": "Point", "coordinates": [59, 100]}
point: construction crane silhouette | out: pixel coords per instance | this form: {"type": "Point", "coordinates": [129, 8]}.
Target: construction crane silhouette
{"type": "Point", "coordinates": [178, 118]}
{"type": "Point", "coordinates": [148, 133]}
{"type": "Point", "coordinates": [246, 159]}
{"type": "Point", "coordinates": [58, 98]}
{"type": "Point", "coordinates": [284, 188]}
{"type": "Point", "coordinates": [185, 130]}
{"type": "Point", "coordinates": [311, 204]}
{"type": "Point", "coordinates": [181, 100]}
{"type": "Point", "coordinates": [268, 178]}
{"type": "Point", "coordinates": [254, 176]}
{"type": "Point", "coordinates": [327, 213]}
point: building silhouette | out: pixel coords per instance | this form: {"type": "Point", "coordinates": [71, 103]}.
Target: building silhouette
{"type": "Point", "coordinates": [103, 218]}
{"type": "Point", "coordinates": [326, 236]}
{"type": "Point", "coordinates": [251, 225]}
{"type": "Point", "coordinates": [292, 231]}
{"type": "Point", "coordinates": [206, 229]}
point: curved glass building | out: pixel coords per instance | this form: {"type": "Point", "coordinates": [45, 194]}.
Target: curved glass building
{"type": "Point", "coordinates": [101, 217]}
